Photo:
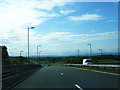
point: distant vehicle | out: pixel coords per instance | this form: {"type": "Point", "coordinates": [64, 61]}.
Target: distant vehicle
{"type": "Point", "coordinates": [87, 61]}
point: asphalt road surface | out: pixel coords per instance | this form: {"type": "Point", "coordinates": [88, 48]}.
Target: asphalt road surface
{"type": "Point", "coordinates": [67, 77]}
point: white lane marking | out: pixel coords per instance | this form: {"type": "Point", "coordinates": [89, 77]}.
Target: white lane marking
{"type": "Point", "coordinates": [78, 87]}
{"type": "Point", "coordinates": [61, 73]}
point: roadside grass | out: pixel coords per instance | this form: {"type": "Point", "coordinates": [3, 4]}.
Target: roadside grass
{"type": "Point", "coordinates": [57, 63]}
{"type": "Point", "coordinates": [108, 61]}
{"type": "Point", "coordinates": [98, 69]}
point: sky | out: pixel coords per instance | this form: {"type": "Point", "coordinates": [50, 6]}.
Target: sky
{"type": "Point", "coordinates": [61, 28]}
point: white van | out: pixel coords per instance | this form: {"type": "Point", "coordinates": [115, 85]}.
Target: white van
{"type": "Point", "coordinates": [87, 61]}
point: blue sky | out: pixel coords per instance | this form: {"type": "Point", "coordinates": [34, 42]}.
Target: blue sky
{"type": "Point", "coordinates": [61, 28]}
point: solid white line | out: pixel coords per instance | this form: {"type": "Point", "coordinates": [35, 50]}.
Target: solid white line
{"type": "Point", "coordinates": [78, 87]}
{"type": "Point", "coordinates": [61, 73]}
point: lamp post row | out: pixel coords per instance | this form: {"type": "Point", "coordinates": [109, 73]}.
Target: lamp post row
{"type": "Point", "coordinates": [90, 50]}
{"type": "Point", "coordinates": [29, 41]}
{"type": "Point", "coordinates": [41, 51]}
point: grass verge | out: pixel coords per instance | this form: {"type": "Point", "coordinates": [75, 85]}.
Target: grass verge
{"type": "Point", "coordinates": [98, 69]}
{"type": "Point", "coordinates": [57, 63]}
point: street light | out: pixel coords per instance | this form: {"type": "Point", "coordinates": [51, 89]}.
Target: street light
{"type": "Point", "coordinates": [37, 50]}
{"type": "Point", "coordinates": [28, 40]}
{"type": "Point", "coordinates": [78, 52]}
{"type": "Point", "coordinates": [101, 51]}
{"type": "Point", "coordinates": [26, 55]}
{"type": "Point", "coordinates": [39, 54]}
{"type": "Point", "coordinates": [21, 52]}
{"type": "Point", "coordinates": [90, 49]}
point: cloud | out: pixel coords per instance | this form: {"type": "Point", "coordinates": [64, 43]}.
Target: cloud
{"type": "Point", "coordinates": [98, 10]}
{"type": "Point", "coordinates": [110, 20]}
{"type": "Point", "coordinates": [99, 36]}
{"type": "Point", "coordinates": [25, 12]}
{"type": "Point", "coordinates": [55, 36]}
{"type": "Point", "coordinates": [17, 15]}
{"type": "Point", "coordinates": [76, 38]}
{"type": "Point", "coordinates": [85, 17]}
{"type": "Point", "coordinates": [67, 11]}
{"type": "Point", "coordinates": [93, 31]}
{"type": "Point", "coordinates": [58, 37]}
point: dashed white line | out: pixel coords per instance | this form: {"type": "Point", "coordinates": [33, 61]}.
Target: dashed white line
{"type": "Point", "coordinates": [61, 73]}
{"type": "Point", "coordinates": [78, 87]}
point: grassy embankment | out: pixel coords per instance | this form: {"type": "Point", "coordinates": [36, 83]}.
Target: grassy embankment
{"type": "Point", "coordinates": [98, 69]}
{"type": "Point", "coordinates": [105, 61]}
{"type": "Point", "coordinates": [58, 63]}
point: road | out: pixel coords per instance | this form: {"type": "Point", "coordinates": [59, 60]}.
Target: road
{"type": "Point", "coordinates": [67, 77]}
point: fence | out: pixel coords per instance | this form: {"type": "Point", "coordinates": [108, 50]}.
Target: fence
{"type": "Point", "coordinates": [13, 74]}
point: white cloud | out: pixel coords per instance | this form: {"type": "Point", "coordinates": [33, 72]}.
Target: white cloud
{"type": "Point", "coordinates": [98, 10]}
{"type": "Point", "coordinates": [54, 36]}
{"type": "Point", "coordinates": [110, 20]}
{"type": "Point", "coordinates": [54, 41]}
{"type": "Point", "coordinates": [99, 36]}
{"type": "Point", "coordinates": [20, 13]}
{"type": "Point", "coordinates": [17, 15]}
{"type": "Point", "coordinates": [58, 37]}
{"type": "Point", "coordinates": [85, 17]}
{"type": "Point", "coordinates": [67, 11]}
{"type": "Point", "coordinates": [76, 38]}
{"type": "Point", "coordinates": [93, 31]}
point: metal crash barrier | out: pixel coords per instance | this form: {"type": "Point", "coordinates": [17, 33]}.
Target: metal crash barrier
{"type": "Point", "coordinates": [113, 67]}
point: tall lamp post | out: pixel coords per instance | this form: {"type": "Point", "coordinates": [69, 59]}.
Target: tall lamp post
{"type": "Point", "coordinates": [78, 52]}
{"type": "Point", "coordinates": [26, 55]}
{"type": "Point", "coordinates": [90, 49]}
{"type": "Point", "coordinates": [21, 52]}
{"type": "Point", "coordinates": [37, 50]}
{"type": "Point", "coordinates": [100, 51]}
{"type": "Point", "coordinates": [39, 54]}
{"type": "Point", "coordinates": [28, 40]}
